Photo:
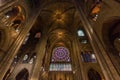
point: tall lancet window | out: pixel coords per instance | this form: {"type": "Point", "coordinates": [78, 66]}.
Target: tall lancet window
{"type": "Point", "coordinates": [60, 60]}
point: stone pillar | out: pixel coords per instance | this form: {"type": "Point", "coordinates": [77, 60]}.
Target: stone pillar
{"type": "Point", "coordinates": [79, 65]}
{"type": "Point", "coordinates": [40, 50]}
{"type": "Point", "coordinates": [76, 63]}
{"type": "Point", "coordinates": [107, 67]}
{"type": "Point", "coordinates": [7, 6]}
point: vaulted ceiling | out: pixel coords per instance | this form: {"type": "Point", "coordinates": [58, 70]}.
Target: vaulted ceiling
{"type": "Point", "coordinates": [59, 19]}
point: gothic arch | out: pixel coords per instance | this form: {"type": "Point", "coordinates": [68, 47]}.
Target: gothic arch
{"type": "Point", "coordinates": [111, 33]}
{"type": "Point", "coordinates": [22, 75]}
{"type": "Point", "coordinates": [93, 75]}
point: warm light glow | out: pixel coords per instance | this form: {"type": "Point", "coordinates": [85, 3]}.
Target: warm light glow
{"type": "Point", "coordinates": [60, 34]}
{"type": "Point", "coordinates": [96, 9]}
{"type": "Point", "coordinates": [19, 8]}
{"type": "Point", "coordinates": [60, 43]}
{"type": "Point", "coordinates": [58, 16]}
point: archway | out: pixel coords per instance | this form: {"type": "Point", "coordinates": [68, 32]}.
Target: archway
{"type": "Point", "coordinates": [111, 36]}
{"type": "Point", "coordinates": [23, 75]}
{"type": "Point", "coordinates": [93, 75]}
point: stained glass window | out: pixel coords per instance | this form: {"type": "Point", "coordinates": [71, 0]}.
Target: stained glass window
{"type": "Point", "coordinates": [60, 54]}
{"type": "Point", "coordinates": [38, 35]}
{"type": "Point", "coordinates": [25, 57]}
{"type": "Point", "coordinates": [60, 67]}
{"type": "Point", "coordinates": [80, 33]}
{"type": "Point", "coordinates": [26, 39]}
{"type": "Point", "coordinates": [88, 57]}
{"type": "Point", "coordinates": [60, 60]}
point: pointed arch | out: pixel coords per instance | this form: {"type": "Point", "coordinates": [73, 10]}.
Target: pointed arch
{"type": "Point", "coordinates": [111, 36]}
{"type": "Point", "coordinates": [93, 75]}
{"type": "Point", "coordinates": [22, 75]}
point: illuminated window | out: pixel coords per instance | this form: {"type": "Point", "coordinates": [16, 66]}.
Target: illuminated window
{"type": "Point", "coordinates": [80, 33]}
{"type": "Point", "coordinates": [11, 14]}
{"type": "Point", "coordinates": [25, 57]}
{"type": "Point", "coordinates": [60, 54]}
{"type": "Point", "coordinates": [26, 39]}
{"type": "Point", "coordinates": [31, 61]}
{"type": "Point", "coordinates": [84, 41]}
{"type": "Point", "coordinates": [88, 57]}
{"type": "Point", "coordinates": [16, 58]}
{"type": "Point", "coordinates": [60, 67]}
{"type": "Point", "coordinates": [60, 60]}
{"type": "Point", "coordinates": [38, 35]}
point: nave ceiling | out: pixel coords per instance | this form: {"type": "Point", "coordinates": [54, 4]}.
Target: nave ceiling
{"type": "Point", "coordinates": [60, 19]}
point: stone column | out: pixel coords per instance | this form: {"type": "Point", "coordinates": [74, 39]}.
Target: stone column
{"type": "Point", "coordinates": [107, 67]}
{"type": "Point", "coordinates": [76, 63]}
{"type": "Point", "coordinates": [79, 65]}
{"type": "Point", "coordinates": [7, 6]}
{"type": "Point", "coordinates": [40, 50]}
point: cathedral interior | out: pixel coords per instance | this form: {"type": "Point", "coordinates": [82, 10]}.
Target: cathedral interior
{"type": "Point", "coordinates": [59, 39]}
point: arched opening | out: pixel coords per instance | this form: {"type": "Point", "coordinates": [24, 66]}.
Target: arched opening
{"type": "Point", "coordinates": [32, 58]}
{"type": "Point", "coordinates": [93, 8]}
{"type": "Point", "coordinates": [60, 67]}
{"type": "Point", "coordinates": [23, 75]}
{"type": "Point", "coordinates": [111, 38]}
{"type": "Point", "coordinates": [82, 36]}
{"type": "Point", "coordinates": [13, 12]}
{"type": "Point", "coordinates": [25, 58]}
{"type": "Point", "coordinates": [93, 75]}
{"type": "Point", "coordinates": [18, 21]}
{"type": "Point", "coordinates": [14, 17]}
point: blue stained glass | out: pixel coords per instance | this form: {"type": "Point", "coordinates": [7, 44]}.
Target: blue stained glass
{"type": "Point", "coordinates": [60, 67]}
{"type": "Point", "coordinates": [88, 57]}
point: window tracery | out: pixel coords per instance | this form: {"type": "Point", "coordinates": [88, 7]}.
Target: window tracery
{"type": "Point", "coordinates": [60, 67]}
{"type": "Point", "coordinates": [60, 54]}
{"type": "Point", "coordinates": [60, 60]}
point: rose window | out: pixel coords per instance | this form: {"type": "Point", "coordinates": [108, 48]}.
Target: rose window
{"type": "Point", "coordinates": [60, 54]}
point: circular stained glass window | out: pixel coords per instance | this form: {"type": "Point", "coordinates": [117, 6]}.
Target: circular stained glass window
{"type": "Point", "coordinates": [60, 54]}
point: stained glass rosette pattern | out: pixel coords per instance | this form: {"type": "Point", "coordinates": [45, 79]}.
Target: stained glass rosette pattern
{"type": "Point", "coordinates": [60, 54]}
